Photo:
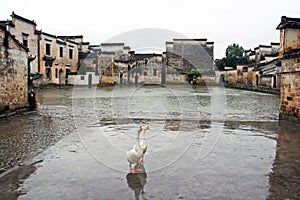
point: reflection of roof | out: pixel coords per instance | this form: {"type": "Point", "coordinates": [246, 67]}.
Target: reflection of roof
{"type": "Point", "coordinates": [288, 22]}
{"type": "Point", "coordinates": [138, 57]}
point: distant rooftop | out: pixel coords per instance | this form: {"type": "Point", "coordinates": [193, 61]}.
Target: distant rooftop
{"type": "Point", "coordinates": [197, 40]}
{"type": "Point", "coordinates": [112, 44]}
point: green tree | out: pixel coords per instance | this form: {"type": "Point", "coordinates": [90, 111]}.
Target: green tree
{"type": "Point", "coordinates": [234, 55]}
{"type": "Point", "coordinates": [81, 68]}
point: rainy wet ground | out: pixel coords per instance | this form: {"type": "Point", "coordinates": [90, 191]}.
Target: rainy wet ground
{"type": "Point", "coordinates": [203, 143]}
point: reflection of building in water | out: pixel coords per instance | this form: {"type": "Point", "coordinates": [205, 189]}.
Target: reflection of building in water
{"type": "Point", "coordinates": [137, 180]}
{"type": "Point", "coordinates": [285, 179]}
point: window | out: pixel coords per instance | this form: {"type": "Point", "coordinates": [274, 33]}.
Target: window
{"type": "Point", "coordinates": [82, 78]}
{"type": "Point", "coordinates": [56, 73]}
{"type": "Point", "coordinates": [61, 52]}
{"type": "Point", "coordinates": [25, 39]}
{"type": "Point", "coordinates": [71, 53]}
{"type": "Point", "coordinates": [48, 49]}
{"type": "Point", "coordinates": [145, 73]}
{"type": "Point", "coordinates": [154, 72]}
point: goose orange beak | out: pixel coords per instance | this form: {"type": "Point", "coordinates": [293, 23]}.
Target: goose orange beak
{"type": "Point", "coordinates": [141, 127]}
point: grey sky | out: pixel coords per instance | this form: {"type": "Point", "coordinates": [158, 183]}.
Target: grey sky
{"type": "Point", "coordinates": [248, 23]}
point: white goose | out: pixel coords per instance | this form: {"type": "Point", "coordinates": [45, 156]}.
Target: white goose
{"type": "Point", "coordinates": [143, 143]}
{"type": "Point", "coordinates": [134, 155]}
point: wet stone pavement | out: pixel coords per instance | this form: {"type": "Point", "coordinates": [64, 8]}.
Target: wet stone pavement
{"type": "Point", "coordinates": [203, 143]}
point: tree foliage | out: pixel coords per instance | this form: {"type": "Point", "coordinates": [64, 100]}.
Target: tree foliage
{"type": "Point", "coordinates": [81, 68]}
{"type": "Point", "coordinates": [234, 55]}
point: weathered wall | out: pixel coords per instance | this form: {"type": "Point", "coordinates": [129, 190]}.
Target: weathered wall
{"type": "Point", "coordinates": [112, 47]}
{"type": "Point", "coordinates": [147, 71]}
{"type": "Point", "coordinates": [175, 79]}
{"type": "Point", "coordinates": [22, 27]}
{"type": "Point", "coordinates": [83, 79]}
{"type": "Point", "coordinates": [188, 54]}
{"type": "Point", "coordinates": [290, 71]}
{"type": "Point", "coordinates": [13, 75]}
{"type": "Point", "coordinates": [231, 76]}
{"type": "Point", "coordinates": [290, 90]}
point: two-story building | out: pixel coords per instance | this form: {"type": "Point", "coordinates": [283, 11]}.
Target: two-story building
{"type": "Point", "coordinates": [24, 30]}
{"type": "Point", "coordinates": [55, 56]}
{"type": "Point", "coordinates": [290, 69]}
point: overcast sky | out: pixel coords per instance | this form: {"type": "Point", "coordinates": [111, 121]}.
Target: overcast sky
{"type": "Point", "coordinates": [248, 23]}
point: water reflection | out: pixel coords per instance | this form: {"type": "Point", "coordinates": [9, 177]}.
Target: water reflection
{"type": "Point", "coordinates": [284, 179]}
{"type": "Point", "coordinates": [137, 180]}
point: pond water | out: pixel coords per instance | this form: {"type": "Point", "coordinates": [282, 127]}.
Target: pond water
{"type": "Point", "coordinates": [203, 143]}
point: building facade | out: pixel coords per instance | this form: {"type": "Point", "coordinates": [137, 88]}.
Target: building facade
{"type": "Point", "coordinates": [290, 71]}
{"type": "Point", "coordinates": [58, 56]}
{"type": "Point", "coordinates": [261, 72]}
{"type": "Point", "coordinates": [186, 55]}
{"type": "Point", "coordinates": [55, 56]}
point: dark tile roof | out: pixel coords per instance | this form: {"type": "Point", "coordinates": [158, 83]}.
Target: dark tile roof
{"type": "Point", "coordinates": [8, 34]}
{"type": "Point", "coordinates": [71, 37]}
{"type": "Point", "coordinates": [58, 41]}
{"type": "Point", "coordinates": [112, 44]}
{"type": "Point", "coordinates": [198, 40]}
{"type": "Point", "coordinates": [265, 46]}
{"type": "Point", "coordinates": [268, 66]}
{"type": "Point", "coordinates": [83, 55]}
{"type": "Point", "coordinates": [3, 22]}
{"type": "Point", "coordinates": [94, 46]}
{"type": "Point", "coordinates": [13, 15]}
{"type": "Point", "coordinates": [288, 22]}
{"type": "Point", "coordinates": [293, 53]}
{"type": "Point", "coordinates": [120, 61]}
{"type": "Point", "coordinates": [272, 54]}
{"type": "Point", "coordinates": [107, 53]}
{"type": "Point", "coordinates": [48, 34]}
{"type": "Point", "coordinates": [275, 43]}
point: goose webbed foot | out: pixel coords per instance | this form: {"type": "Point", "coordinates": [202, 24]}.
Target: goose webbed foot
{"type": "Point", "coordinates": [131, 170]}
{"type": "Point", "coordinates": [138, 169]}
